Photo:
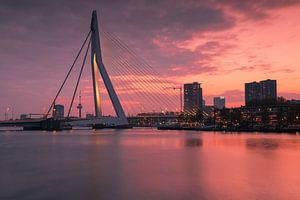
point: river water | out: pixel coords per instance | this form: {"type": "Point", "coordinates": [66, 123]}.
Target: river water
{"type": "Point", "coordinates": [149, 164]}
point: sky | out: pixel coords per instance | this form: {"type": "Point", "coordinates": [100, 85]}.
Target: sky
{"type": "Point", "coordinates": [221, 44]}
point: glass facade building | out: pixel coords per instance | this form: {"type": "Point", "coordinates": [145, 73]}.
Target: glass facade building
{"type": "Point", "coordinates": [192, 97]}
{"type": "Point", "coordinates": [261, 93]}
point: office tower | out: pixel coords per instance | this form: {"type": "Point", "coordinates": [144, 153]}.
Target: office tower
{"type": "Point", "coordinates": [219, 102]}
{"type": "Point", "coordinates": [261, 93]}
{"type": "Point", "coordinates": [192, 97]}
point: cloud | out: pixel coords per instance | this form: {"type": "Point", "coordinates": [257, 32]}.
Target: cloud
{"type": "Point", "coordinates": [40, 38]}
{"type": "Point", "coordinates": [256, 10]}
{"type": "Point", "coordinates": [263, 67]}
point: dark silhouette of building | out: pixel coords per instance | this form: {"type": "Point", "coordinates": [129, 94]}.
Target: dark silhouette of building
{"type": "Point", "coordinates": [58, 111]}
{"type": "Point", "coordinates": [280, 117]}
{"type": "Point", "coordinates": [252, 92]}
{"type": "Point", "coordinates": [219, 102]}
{"type": "Point", "coordinates": [24, 116]}
{"type": "Point", "coordinates": [269, 89]}
{"type": "Point", "coordinates": [192, 97]}
{"type": "Point", "coordinates": [261, 93]}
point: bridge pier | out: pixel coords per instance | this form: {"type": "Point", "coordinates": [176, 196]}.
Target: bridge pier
{"type": "Point", "coordinates": [51, 125]}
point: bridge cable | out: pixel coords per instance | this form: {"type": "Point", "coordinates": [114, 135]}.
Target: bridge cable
{"type": "Point", "coordinates": [53, 102]}
{"type": "Point", "coordinates": [142, 85]}
{"type": "Point", "coordinates": [140, 67]}
{"type": "Point", "coordinates": [138, 58]}
{"type": "Point", "coordinates": [79, 76]}
{"type": "Point", "coordinates": [129, 84]}
{"type": "Point", "coordinates": [137, 82]}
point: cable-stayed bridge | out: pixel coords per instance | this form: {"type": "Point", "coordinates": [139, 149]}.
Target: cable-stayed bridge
{"type": "Point", "coordinates": [119, 75]}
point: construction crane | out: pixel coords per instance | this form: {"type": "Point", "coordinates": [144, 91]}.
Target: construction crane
{"type": "Point", "coordinates": [180, 90]}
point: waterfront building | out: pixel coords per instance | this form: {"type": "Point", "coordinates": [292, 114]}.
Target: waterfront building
{"type": "Point", "coordinates": [24, 116]}
{"type": "Point", "coordinates": [261, 93]}
{"type": "Point", "coordinates": [192, 97]}
{"type": "Point", "coordinates": [152, 119]}
{"type": "Point", "coordinates": [90, 115]}
{"type": "Point", "coordinates": [208, 114]}
{"type": "Point", "coordinates": [279, 117]}
{"type": "Point", "coordinates": [219, 102]}
{"type": "Point", "coordinates": [293, 101]}
{"type": "Point", "coordinates": [269, 90]}
{"type": "Point", "coordinates": [58, 111]}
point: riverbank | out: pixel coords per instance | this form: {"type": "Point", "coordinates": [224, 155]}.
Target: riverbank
{"type": "Point", "coordinates": [263, 130]}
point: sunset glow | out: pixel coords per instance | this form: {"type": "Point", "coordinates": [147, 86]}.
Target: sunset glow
{"type": "Point", "coordinates": [221, 44]}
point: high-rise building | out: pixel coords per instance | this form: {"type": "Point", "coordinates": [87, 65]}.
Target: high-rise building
{"type": "Point", "coordinates": [192, 97]}
{"type": "Point", "coordinates": [261, 93]}
{"type": "Point", "coordinates": [203, 104]}
{"type": "Point", "coordinates": [58, 111]}
{"type": "Point", "coordinates": [219, 102]}
{"type": "Point", "coordinates": [252, 93]}
{"type": "Point", "coordinates": [269, 90]}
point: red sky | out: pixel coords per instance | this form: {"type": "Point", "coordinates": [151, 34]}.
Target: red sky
{"type": "Point", "coordinates": [221, 44]}
{"type": "Point", "coordinates": [251, 51]}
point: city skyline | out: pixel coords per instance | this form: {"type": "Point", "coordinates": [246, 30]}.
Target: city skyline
{"type": "Point", "coordinates": [223, 46]}
{"type": "Point", "coordinates": [142, 100]}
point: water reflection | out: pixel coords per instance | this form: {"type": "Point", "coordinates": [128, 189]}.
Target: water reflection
{"type": "Point", "coordinates": [148, 164]}
{"type": "Point", "coordinates": [193, 142]}
{"type": "Point", "coordinates": [263, 144]}
{"type": "Point", "coordinates": [292, 144]}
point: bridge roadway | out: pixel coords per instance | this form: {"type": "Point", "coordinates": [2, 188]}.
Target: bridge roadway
{"type": "Point", "coordinates": [103, 122]}
{"type": "Point", "coordinates": [65, 123]}
{"type": "Point", "coordinates": [33, 124]}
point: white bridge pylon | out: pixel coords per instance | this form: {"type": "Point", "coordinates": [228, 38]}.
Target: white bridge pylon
{"type": "Point", "coordinates": [98, 69]}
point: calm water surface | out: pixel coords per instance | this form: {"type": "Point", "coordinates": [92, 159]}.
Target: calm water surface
{"type": "Point", "coordinates": [148, 164]}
